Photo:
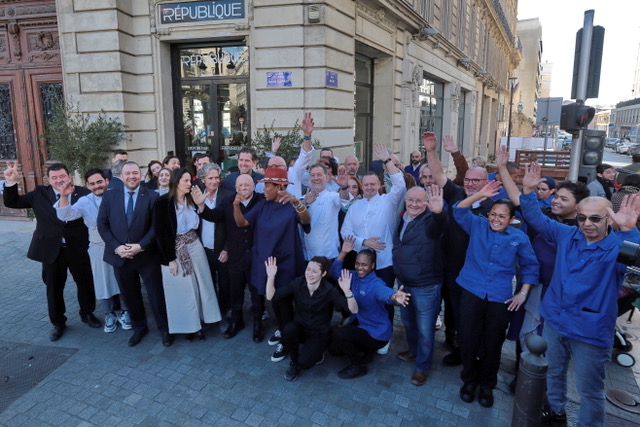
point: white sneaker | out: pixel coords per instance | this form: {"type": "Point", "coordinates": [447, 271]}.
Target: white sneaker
{"type": "Point", "coordinates": [125, 320]}
{"type": "Point", "coordinates": [110, 323]}
{"type": "Point", "coordinates": [438, 322]}
{"type": "Point", "coordinates": [279, 354]}
{"type": "Point", "coordinates": [385, 349]}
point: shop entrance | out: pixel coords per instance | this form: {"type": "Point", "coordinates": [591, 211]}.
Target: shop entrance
{"type": "Point", "coordinates": [212, 111]}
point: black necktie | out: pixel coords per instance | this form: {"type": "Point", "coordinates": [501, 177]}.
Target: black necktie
{"type": "Point", "coordinates": [129, 212]}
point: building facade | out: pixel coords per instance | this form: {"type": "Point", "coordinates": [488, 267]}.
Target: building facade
{"type": "Point", "coordinates": [193, 76]}
{"type": "Point", "coordinates": [529, 71]}
{"type": "Point", "coordinates": [625, 119]}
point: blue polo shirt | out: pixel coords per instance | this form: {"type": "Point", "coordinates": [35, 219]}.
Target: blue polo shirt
{"type": "Point", "coordinates": [581, 302]}
{"type": "Point", "coordinates": [372, 296]}
{"type": "Point", "coordinates": [490, 263]}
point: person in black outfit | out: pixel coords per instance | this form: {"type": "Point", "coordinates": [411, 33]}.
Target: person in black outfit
{"type": "Point", "coordinates": [315, 300]}
{"type": "Point", "coordinates": [58, 245]}
{"type": "Point", "coordinates": [239, 253]}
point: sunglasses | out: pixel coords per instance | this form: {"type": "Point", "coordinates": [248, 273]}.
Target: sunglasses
{"type": "Point", "coordinates": [593, 218]}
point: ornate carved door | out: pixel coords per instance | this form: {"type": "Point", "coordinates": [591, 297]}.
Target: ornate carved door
{"type": "Point", "coordinates": [30, 83]}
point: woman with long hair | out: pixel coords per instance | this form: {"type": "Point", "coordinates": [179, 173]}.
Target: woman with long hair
{"type": "Point", "coordinates": [153, 169]}
{"type": "Point", "coordinates": [164, 180]}
{"type": "Point", "coordinates": [188, 288]}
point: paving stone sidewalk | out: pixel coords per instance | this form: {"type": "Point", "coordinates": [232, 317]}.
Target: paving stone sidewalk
{"type": "Point", "coordinates": [220, 382]}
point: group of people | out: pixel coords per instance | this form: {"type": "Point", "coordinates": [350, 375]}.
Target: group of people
{"type": "Point", "coordinates": [315, 239]}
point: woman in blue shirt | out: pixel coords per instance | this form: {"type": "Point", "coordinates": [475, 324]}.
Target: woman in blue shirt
{"type": "Point", "coordinates": [487, 295]}
{"type": "Point", "coordinates": [371, 329]}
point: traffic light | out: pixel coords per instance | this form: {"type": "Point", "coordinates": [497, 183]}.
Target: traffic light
{"type": "Point", "coordinates": [591, 155]}
{"type": "Point", "coordinates": [574, 116]}
{"type": "Point", "coordinates": [595, 62]}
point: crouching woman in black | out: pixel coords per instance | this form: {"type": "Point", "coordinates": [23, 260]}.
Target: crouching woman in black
{"type": "Point", "coordinates": [315, 300]}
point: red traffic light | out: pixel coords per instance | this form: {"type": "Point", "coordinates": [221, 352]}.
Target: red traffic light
{"type": "Point", "coordinates": [574, 116]}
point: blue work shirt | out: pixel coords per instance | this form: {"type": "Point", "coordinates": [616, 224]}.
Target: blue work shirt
{"type": "Point", "coordinates": [491, 258]}
{"type": "Point", "coordinates": [581, 302]}
{"type": "Point", "coordinates": [372, 295]}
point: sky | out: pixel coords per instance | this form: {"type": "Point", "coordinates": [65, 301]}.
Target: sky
{"type": "Point", "coordinates": [561, 19]}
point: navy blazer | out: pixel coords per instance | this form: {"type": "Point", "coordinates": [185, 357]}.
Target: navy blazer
{"type": "Point", "coordinates": [47, 237]}
{"type": "Point", "coordinates": [112, 226]}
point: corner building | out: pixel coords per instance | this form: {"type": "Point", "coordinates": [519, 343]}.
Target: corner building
{"type": "Point", "coordinates": [191, 76]}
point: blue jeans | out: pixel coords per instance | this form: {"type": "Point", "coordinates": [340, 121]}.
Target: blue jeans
{"type": "Point", "coordinates": [589, 362]}
{"type": "Point", "coordinates": [419, 319]}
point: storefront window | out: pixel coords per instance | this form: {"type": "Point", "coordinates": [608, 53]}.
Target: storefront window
{"type": "Point", "coordinates": [214, 61]}
{"type": "Point", "coordinates": [431, 98]}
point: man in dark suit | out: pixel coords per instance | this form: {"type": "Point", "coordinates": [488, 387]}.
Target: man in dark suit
{"type": "Point", "coordinates": [118, 156]}
{"type": "Point", "coordinates": [124, 223]}
{"type": "Point", "coordinates": [115, 174]}
{"type": "Point", "coordinates": [56, 244]}
{"type": "Point", "coordinates": [214, 236]}
{"type": "Point", "coordinates": [240, 252]}
{"type": "Point", "coordinates": [247, 160]}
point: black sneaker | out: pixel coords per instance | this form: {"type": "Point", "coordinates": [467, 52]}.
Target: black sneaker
{"type": "Point", "coordinates": [275, 338]}
{"type": "Point", "coordinates": [292, 373]}
{"type": "Point", "coordinates": [279, 354]}
{"type": "Point", "coordinates": [353, 371]}
{"type": "Point", "coordinates": [551, 418]}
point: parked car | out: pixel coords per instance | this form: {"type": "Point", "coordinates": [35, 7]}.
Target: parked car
{"type": "Point", "coordinates": [634, 149]}
{"type": "Point", "coordinates": [623, 147]}
{"type": "Point", "coordinates": [611, 142]}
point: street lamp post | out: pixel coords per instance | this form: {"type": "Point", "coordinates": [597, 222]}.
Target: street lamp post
{"type": "Point", "coordinates": [512, 87]}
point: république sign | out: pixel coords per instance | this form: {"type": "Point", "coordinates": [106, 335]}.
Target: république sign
{"type": "Point", "coordinates": [199, 11]}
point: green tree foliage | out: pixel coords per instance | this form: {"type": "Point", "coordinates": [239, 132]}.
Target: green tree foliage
{"type": "Point", "coordinates": [79, 140]}
{"type": "Point", "coordinates": [291, 141]}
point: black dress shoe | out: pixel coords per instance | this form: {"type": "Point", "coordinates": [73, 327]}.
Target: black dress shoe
{"type": "Point", "coordinates": [258, 331]}
{"type": "Point", "coordinates": [233, 329]}
{"type": "Point", "coordinates": [485, 398]}
{"type": "Point", "coordinates": [453, 358]}
{"type": "Point", "coordinates": [200, 335]}
{"type": "Point", "coordinates": [167, 339]}
{"type": "Point", "coordinates": [468, 392]}
{"type": "Point", "coordinates": [137, 337]}
{"type": "Point", "coordinates": [91, 320]}
{"type": "Point", "coordinates": [57, 332]}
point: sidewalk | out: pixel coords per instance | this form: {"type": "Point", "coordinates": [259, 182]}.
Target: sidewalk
{"type": "Point", "coordinates": [93, 378]}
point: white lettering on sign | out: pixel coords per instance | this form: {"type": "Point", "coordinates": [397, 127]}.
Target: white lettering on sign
{"type": "Point", "coordinates": [211, 58]}
{"type": "Point", "coordinates": [202, 11]}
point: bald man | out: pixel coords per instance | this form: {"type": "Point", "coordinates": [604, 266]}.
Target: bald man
{"type": "Point", "coordinates": [580, 305]}
{"type": "Point", "coordinates": [352, 164]}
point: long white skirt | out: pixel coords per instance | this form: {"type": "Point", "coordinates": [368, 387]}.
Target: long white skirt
{"type": "Point", "coordinates": [190, 300]}
{"type": "Point", "coordinates": [104, 279]}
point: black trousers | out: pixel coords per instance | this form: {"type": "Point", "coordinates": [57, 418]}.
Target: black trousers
{"type": "Point", "coordinates": [451, 297]}
{"type": "Point", "coordinates": [388, 277]}
{"type": "Point", "coordinates": [54, 277]}
{"type": "Point", "coordinates": [220, 276]}
{"type": "Point", "coordinates": [128, 277]}
{"type": "Point", "coordinates": [237, 281]}
{"type": "Point", "coordinates": [305, 357]}
{"type": "Point", "coordinates": [355, 342]}
{"type": "Point", "coordinates": [482, 332]}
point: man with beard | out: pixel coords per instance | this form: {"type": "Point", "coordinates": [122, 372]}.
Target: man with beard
{"type": "Point", "coordinates": [602, 186]}
{"type": "Point", "coordinates": [414, 167]}
{"type": "Point", "coordinates": [104, 279]}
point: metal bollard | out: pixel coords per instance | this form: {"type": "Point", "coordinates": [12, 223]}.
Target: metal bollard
{"type": "Point", "coordinates": [527, 406]}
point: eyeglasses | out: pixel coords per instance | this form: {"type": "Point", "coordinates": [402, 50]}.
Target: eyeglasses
{"type": "Point", "coordinates": [541, 190]}
{"type": "Point", "coordinates": [474, 180]}
{"type": "Point", "coordinates": [593, 218]}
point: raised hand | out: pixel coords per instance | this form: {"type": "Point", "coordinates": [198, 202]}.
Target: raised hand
{"type": "Point", "coordinates": [380, 151]}
{"type": "Point", "coordinates": [429, 141]}
{"type": "Point", "coordinates": [531, 177]}
{"type": "Point", "coordinates": [348, 244]}
{"type": "Point", "coordinates": [345, 281]}
{"type": "Point", "coordinates": [275, 144]}
{"type": "Point", "coordinates": [271, 267]}
{"type": "Point", "coordinates": [197, 195]}
{"type": "Point", "coordinates": [435, 202]}
{"type": "Point", "coordinates": [11, 172]}
{"type": "Point", "coordinates": [310, 196]}
{"type": "Point", "coordinates": [343, 178]}
{"type": "Point", "coordinates": [503, 156]}
{"type": "Point", "coordinates": [490, 189]}
{"type": "Point", "coordinates": [449, 144]}
{"type": "Point", "coordinates": [627, 216]}
{"type": "Point", "coordinates": [286, 197]}
{"type": "Point", "coordinates": [307, 124]}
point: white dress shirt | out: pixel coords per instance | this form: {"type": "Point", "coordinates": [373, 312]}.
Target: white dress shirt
{"type": "Point", "coordinates": [376, 217]}
{"type": "Point", "coordinates": [323, 240]}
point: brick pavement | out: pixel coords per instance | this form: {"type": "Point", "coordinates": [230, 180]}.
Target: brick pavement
{"type": "Point", "coordinates": [223, 382]}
